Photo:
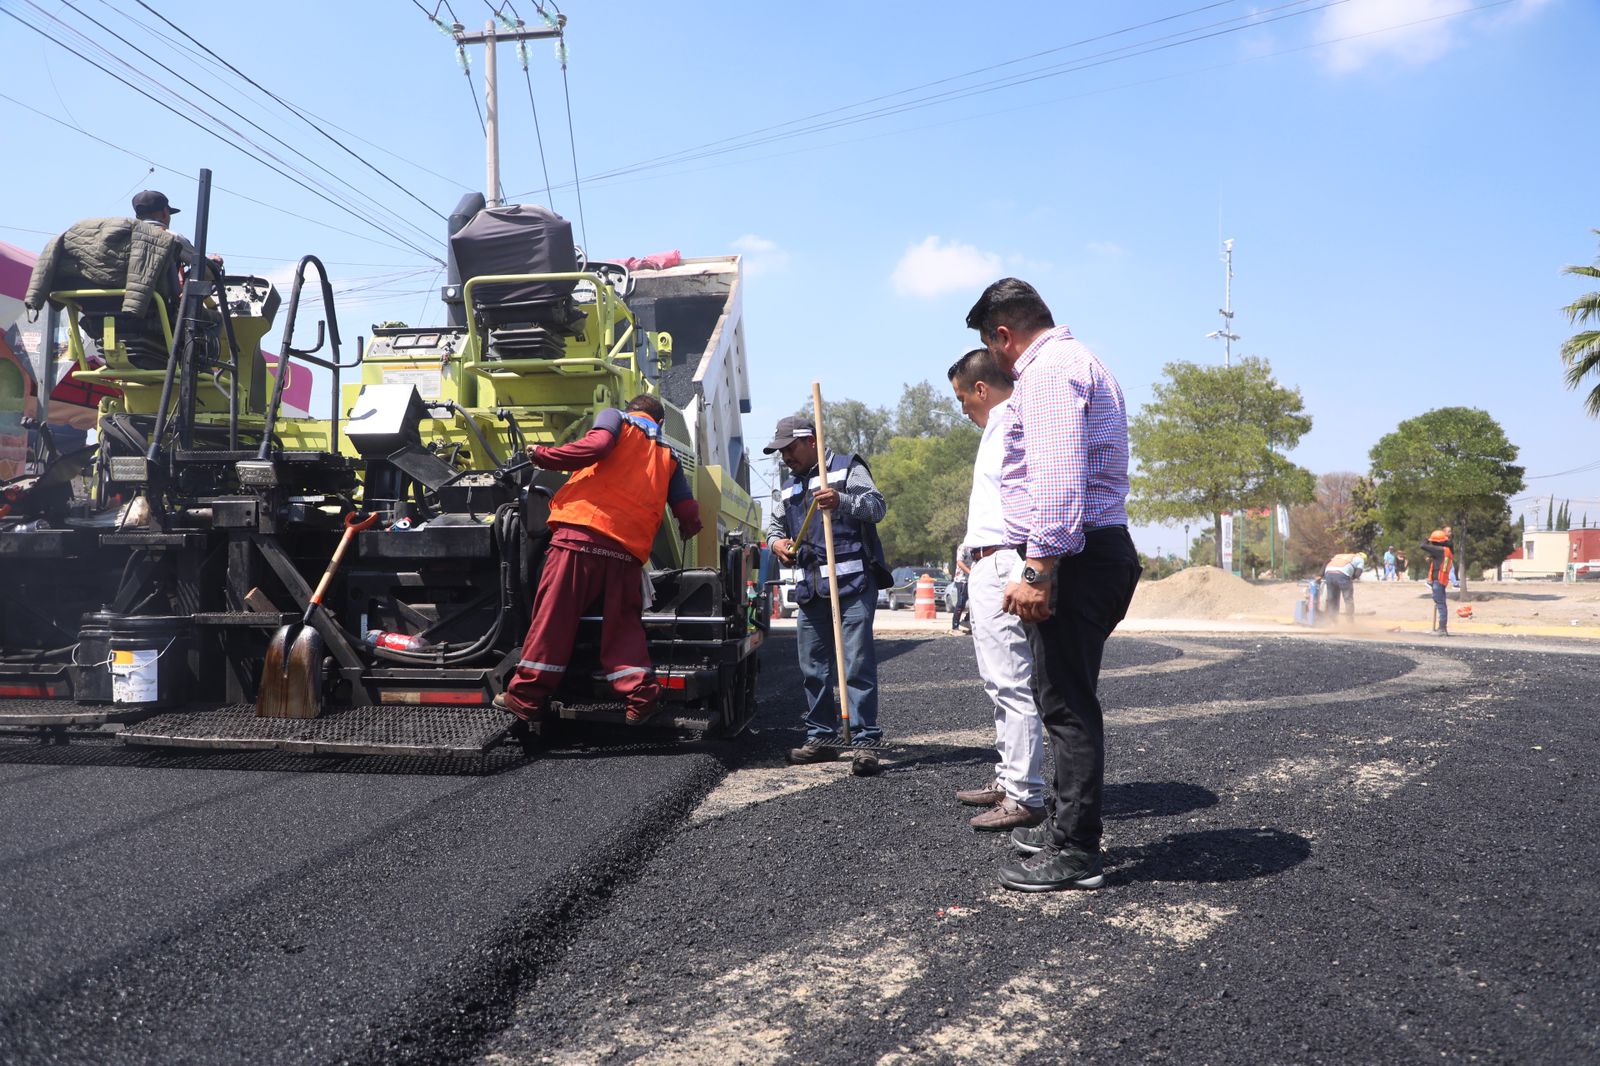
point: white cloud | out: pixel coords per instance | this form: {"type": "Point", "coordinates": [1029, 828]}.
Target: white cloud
{"type": "Point", "coordinates": [935, 267]}
{"type": "Point", "coordinates": [761, 256]}
{"type": "Point", "coordinates": [1410, 32]}
{"type": "Point", "coordinates": [1108, 249]}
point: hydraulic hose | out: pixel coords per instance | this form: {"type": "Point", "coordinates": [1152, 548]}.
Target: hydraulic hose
{"type": "Point", "coordinates": [507, 530]}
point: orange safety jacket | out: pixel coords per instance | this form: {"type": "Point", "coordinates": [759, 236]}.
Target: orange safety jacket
{"type": "Point", "coordinates": [624, 495]}
{"type": "Point", "coordinates": [1439, 565]}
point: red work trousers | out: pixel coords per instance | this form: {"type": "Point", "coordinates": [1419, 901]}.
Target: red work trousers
{"type": "Point", "coordinates": [573, 581]}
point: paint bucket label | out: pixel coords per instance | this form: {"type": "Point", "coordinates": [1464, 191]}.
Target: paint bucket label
{"type": "Point", "coordinates": [135, 675]}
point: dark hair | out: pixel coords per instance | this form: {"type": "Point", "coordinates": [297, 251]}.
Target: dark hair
{"type": "Point", "coordinates": [978, 365]}
{"type": "Point", "coordinates": [648, 406]}
{"type": "Point", "coordinates": [1009, 302]}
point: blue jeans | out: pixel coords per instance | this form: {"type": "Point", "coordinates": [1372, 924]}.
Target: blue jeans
{"type": "Point", "coordinates": [1440, 606]}
{"type": "Point", "coordinates": [814, 635]}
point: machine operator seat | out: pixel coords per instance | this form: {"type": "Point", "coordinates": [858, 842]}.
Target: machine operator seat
{"type": "Point", "coordinates": [524, 319]}
{"type": "Point", "coordinates": [123, 275]}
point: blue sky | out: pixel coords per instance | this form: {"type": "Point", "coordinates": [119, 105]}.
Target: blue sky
{"type": "Point", "coordinates": [1404, 179]}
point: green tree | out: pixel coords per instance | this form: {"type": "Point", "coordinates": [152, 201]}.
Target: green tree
{"type": "Point", "coordinates": [1212, 440]}
{"type": "Point", "coordinates": [1581, 351]}
{"type": "Point", "coordinates": [1361, 526]}
{"type": "Point", "coordinates": [852, 426]}
{"type": "Point", "coordinates": [926, 410]}
{"type": "Point", "coordinates": [1451, 466]}
{"type": "Point", "coordinates": [926, 482]}
{"type": "Point", "coordinates": [1340, 518]}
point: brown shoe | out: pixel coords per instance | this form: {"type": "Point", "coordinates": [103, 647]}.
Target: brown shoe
{"type": "Point", "coordinates": [987, 796]}
{"type": "Point", "coordinates": [1006, 815]}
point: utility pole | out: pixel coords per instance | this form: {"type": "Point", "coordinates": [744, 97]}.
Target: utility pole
{"type": "Point", "coordinates": [491, 125]}
{"type": "Point", "coordinates": [1226, 332]}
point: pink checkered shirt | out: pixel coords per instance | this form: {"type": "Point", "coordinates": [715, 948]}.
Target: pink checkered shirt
{"type": "Point", "coordinates": [1066, 452]}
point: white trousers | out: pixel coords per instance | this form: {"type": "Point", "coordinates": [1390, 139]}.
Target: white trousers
{"type": "Point", "coordinates": [1006, 666]}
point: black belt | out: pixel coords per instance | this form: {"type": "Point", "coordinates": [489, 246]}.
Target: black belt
{"type": "Point", "coordinates": [985, 552]}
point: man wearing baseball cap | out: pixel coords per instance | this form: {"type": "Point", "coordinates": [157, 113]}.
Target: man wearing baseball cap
{"type": "Point", "coordinates": [844, 488]}
{"type": "Point", "coordinates": [152, 206]}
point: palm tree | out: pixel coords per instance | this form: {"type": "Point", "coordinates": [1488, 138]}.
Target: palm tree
{"type": "Point", "coordinates": [1581, 351]}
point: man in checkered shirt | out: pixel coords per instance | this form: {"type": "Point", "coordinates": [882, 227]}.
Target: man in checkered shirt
{"type": "Point", "coordinates": [1064, 491]}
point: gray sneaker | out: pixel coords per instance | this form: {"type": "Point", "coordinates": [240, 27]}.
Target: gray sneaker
{"type": "Point", "coordinates": [1032, 839]}
{"type": "Point", "coordinates": [1054, 869]}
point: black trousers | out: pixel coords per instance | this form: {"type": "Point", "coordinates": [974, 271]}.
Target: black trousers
{"type": "Point", "coordinates": [1090, 594]}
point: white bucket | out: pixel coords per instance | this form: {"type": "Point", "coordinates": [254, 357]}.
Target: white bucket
{"type": "Point", "coordinates": [135, 675]}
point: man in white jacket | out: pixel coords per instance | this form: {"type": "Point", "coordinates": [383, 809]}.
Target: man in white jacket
{"type": "Point", "coordinates": [1015, 798]}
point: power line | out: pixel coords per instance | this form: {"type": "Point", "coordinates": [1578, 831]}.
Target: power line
{"type": "Point", "coordinates": [572, 140]}
{"type": "Point", "coordinates": [609, 176]}
{"type": "Point", "coordinates": [190, 177]}
{"type": "Point", "coordinates": [466, 68]}
{"type": "Point", "coordinates": [292, 110]}
{"type": "Point", "coordinates": [1563, 473]}
{"type": "Point", "coordinates": [514, 23]}
{"type": "Point", "coordinates": [211, 61]}
{"type": "Point", "coordinates": [198, 125]}
{"type": "Point", "coordinates": [1097, 59]}
{"type": "Point", "coordinates": [89, 43]}
{"type": "Point", "coordinates": [234, 111]}
{"type": "Point", "coordinates": [938, 81]}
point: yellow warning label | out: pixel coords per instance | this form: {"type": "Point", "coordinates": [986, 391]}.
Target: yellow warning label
{"type": "Point", "coordinates": [122, 658]}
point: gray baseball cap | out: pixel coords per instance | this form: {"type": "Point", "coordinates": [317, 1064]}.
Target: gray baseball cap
{"type": "Point", "coordinates": [790, 429]}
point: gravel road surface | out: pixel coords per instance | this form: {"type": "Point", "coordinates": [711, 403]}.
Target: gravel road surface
{"type": "Point", "coordinates": [1317, 852]}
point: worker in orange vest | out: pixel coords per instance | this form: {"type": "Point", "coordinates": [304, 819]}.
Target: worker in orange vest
{"type": "Point", "coordinates": [1441, 557]}
{"type": "Point", "coordinates": [605, 519]}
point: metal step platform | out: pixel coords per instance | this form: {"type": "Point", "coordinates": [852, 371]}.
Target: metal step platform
{"type": "Point", "coordinates": [385, 730]}
{"type": "Point", "coordinates": [617, 714]}
{"type": "Point", "coordinates": [26, 713]}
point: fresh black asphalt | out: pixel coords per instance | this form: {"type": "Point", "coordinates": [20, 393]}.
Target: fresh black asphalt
{"type": "Point", "coordinates": [1403, 875]}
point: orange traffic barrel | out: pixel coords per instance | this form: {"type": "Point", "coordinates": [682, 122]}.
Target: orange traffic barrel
{"type": "Point", "coordinates": [925, 605]}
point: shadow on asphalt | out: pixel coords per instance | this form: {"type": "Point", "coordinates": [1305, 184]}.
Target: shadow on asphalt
{"type": "Point", "coordinates": [1153, 799]}
{"type": "Point", "coordinates": [1209, 856]}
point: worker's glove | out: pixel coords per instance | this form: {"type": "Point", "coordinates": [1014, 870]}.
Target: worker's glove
{"type": "Point", "coordinates": [533, 455]}
{"type": "Point", "coordinates": [687, 512]}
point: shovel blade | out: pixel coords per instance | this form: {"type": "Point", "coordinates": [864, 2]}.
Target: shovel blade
{"type": "Point", "coordinates": [291, 680]}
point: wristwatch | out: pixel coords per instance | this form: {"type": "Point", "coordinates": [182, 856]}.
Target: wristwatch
{"type": "Point", "coordinates": [1034, 577]}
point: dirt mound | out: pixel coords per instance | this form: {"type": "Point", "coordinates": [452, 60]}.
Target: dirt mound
{"type": "Point", "coordinates": [1205, 592]}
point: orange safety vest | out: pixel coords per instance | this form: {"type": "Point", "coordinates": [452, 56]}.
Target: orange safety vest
{"type": "Point", "coordinates": [1440, 570]}
{"type": "Point", "coordinates": [623, 495]}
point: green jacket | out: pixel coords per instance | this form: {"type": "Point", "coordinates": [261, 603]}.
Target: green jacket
{"type": "Point", "coordinates": [108, 253]}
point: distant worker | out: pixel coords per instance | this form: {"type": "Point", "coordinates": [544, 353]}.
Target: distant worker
{"type": "Point", "coordinates": [605, 519]}
{"type": "Point", "coordinates": [1015, 797]}
{"type": "Point", "coordinates": [1388, 563]}
{"type": "Point", "coordinates": [958, 590]}
{"type": "Point", "coordinates": [1440, 550]}
{"type": "Point", "coordinates": [1340, 575]}
{"type": "Point", "coordinates": [852, 498]}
